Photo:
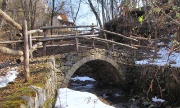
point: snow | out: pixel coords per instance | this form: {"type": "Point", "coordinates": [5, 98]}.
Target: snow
{"type": "Point", "coordinates": [117, 95]}
{"type": "Point", "coordinates": [155, 99]}
{"type": "Point", "coordinates": [164, 58]}
{"type": "Point", "coordinates": [84, 78]}
{"type": "Point", "coordinates": [68, 98]}
{"type": "Point", "coordinates": [9, 77]}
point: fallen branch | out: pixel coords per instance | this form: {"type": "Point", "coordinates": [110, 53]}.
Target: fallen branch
{"type": "Point", "coordinates": [34, 47]}
{"type": "Point", "coordinates": [35, 31]}
{"type": "Point", "coordinates": [10, 20]}
{"type": "Point", "coordinates": [5, 50]}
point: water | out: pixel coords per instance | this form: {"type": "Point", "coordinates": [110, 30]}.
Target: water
{"type": "Point", "coordinates": [110, 94]}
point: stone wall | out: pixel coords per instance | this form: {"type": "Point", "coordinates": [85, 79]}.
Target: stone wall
{"type": "Point", "coordinates": [46, 94]}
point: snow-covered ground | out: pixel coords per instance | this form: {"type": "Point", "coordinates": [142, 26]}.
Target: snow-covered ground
{"type": "Point", "coordinates": [9, 77]}
{"type": "Point", "coordinates": [164, 58]}
{"type": "Point", "coordinates": [68, 98]}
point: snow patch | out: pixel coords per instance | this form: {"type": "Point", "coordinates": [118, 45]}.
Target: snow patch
{"type": "Point", "coordinates": [164, 58]}
{"type": "Point", "coordinates": [9, 77]}
{"type": "Point", "coordinates": [68, 98]}
{"type": "Point", "coordinates": [155, 99]}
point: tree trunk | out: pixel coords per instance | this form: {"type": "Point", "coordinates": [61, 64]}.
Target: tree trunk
{"type": "Point", "coordinates": [112, 9]}
{"type": "Point", "coordinates": [95, 13]}
{"type": "Point", "coordinates": [52, 15]}
{"type": "Point", "coordinates": [74, 20]}
{"type": "Point", "coordinates": [3, 9]}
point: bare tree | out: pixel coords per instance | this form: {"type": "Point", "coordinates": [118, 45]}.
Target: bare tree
{"type": "Point", "coordinates": [74, 17]}
{"type": "Point", "coordinates": [95, 13]}
{"type": "Point", "coordinates": [4, 4]}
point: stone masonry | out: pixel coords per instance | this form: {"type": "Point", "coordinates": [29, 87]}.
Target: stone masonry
{"type": "Point", "coordinates": [68, 63]}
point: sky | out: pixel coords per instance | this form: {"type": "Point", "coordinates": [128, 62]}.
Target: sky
{"type": "Point", "coordinates": [85, 15]}
{"type": "Point", "coordinates": [88, 16]}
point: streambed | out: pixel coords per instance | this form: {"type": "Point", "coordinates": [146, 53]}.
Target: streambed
{"type": "Point", "coordinates": [111, 95]}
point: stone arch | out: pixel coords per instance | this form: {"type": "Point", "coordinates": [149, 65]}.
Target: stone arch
{"type": "Point", "coordinates": [89, 58]}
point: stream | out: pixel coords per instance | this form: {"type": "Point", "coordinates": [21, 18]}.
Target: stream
{"type": "Point", "coordinates": [113, 96]}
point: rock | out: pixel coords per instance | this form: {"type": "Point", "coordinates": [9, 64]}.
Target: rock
{"type": "Point", "coordinates": [146, 104]}
{"type": "Point", "coordinates": [132, 100]}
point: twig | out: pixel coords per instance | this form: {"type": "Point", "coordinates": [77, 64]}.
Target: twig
{"type": "Point", "coordinates": [159, 87]}
{"type": "Point", "coordinates": [151, 85]}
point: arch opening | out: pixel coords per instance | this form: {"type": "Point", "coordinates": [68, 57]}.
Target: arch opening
{"type": "Point", "coordinates": [102, 72]}
{"type": "Point", "coordinates": [106, 84]}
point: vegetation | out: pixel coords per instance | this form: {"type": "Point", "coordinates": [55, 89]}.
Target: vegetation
{"type": "Point", "coordinates": [12, 94]}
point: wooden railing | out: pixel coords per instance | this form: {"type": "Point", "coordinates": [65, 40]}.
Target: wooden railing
{"type": "Point", "coordinates": [28, 39]}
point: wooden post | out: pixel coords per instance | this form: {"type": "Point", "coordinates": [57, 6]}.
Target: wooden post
{"type": "Point", "coordinates": [94, 43]}
{"type": "Point", "coordinates": [92, 32]}
{"type": "Point", "coordinates": [44, 43]}
{"type": "Point", "coordinates": [77, 41]}
{"type": "Point", "coordinates": [26, 52]}
{"type": "Point", "coordinates": [30, 44]}
{"type": "Point", "coordinates": [113, 47]}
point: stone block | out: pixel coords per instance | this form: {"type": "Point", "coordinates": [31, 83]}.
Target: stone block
{"type": "Point", "coordinates": [62, 68]}
{"type": "Point", "coordinates": [63, 56]}
{"type": "Point", "coordinates": [107, 59]}
{"type": "Point", "coordinates": [92, 51]}
{"type": "Point", "coordinates": [68, 57]}
{"type": "Point", "coordinates": [70, 72]}
{"type": "Point", "coordinates": [73, 69]}
{"type": "Point", "coordinates": [82, 61]}
{"type": "Point", "coordinates": [87, 54]}
{"type": "Point", "coordinates": [68, 77]}
{"type": "Point", "coordinates": [68, 63]}
{"type": "Point", "coordinates": [91, 57]}
{"type": "Point", "coordinates": [75, 59]}
{"type": "Point", "coordinates": [97, 56]}
{"type": "Point", "coordinates": [64, 85]}
{"type": "Point", "coordinates": [114, 64]}
{"type": "Point", "coordinates": [80, 54]}
{"type": "Point", "coordinates": [62, 64]}
{"type": "Point", "coordinates": [58, 56]}
{"type": "Point", "coordinates": [79, 63]}
{"type": "Point", "coordinates": [76, 65]}
{"type": "Point", "coordinates": [102, 57]}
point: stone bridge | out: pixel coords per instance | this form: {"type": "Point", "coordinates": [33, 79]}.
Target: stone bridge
{"type": "Point", "coordinates": [106, 65]}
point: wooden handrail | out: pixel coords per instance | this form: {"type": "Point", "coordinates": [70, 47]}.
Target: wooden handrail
{"type": "Point", "coordinates": [61, 27]}
{"type": "Point", "coordinates": [35, 31]}
{"type": "Point", "coordinates": [65, 37]}
{"type": "Point", "coordinates": [109, 41]}
{"type": "Point", "coordinates": [115, 34]}
{"type": "Point", "coordinates": [81, 34]}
